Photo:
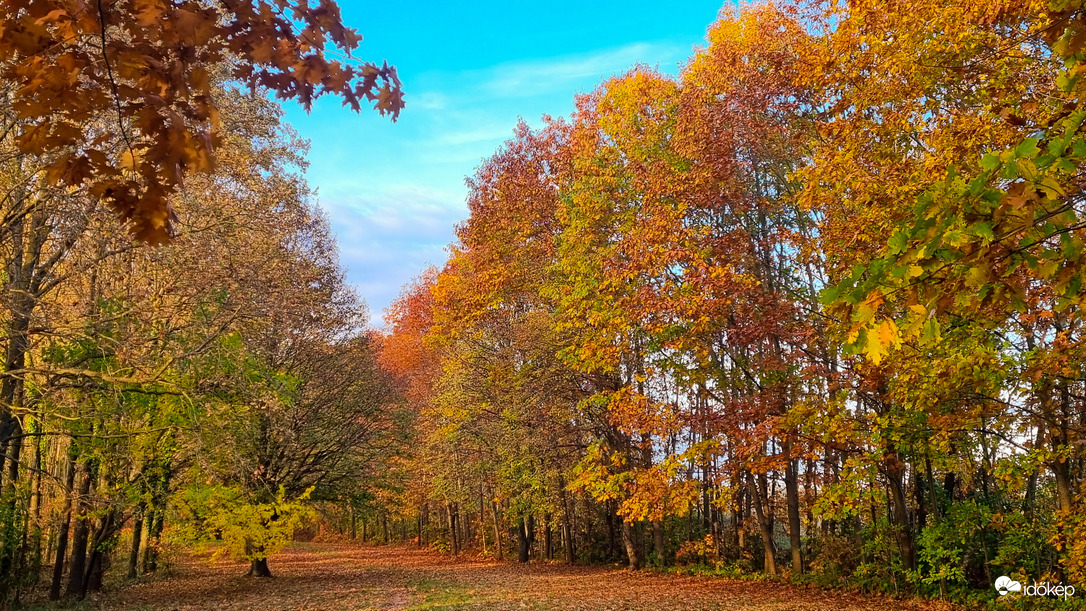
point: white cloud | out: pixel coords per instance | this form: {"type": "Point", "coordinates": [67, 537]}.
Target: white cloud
{"type": "Point", "coordinates": [428, 100]}
{"type": "Point", "coordinates": [387, 238]}
{"type": "Point", "coordinates": [526, 79]}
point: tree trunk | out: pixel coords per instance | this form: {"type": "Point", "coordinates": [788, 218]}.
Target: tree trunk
{"type": "Point", "coordinates": [134, 554]}
{"type": "Point", "coordinates": [629, 539]}
{"type": "Point", "coordinates": [259, 568]}
{"type": "Point", "coordinates": [62, 534]}
{"type": "Point", "coordinates": [452, 529]}
{"type": "Point", "coordinates": [98, 562]}
{"type": "Point", "coordinates": [763, 526]}
{"type": "Point", "coordinates": [147, 544]}
{"type": "Point", "coordinates": [567, 541]}
{"type": "Point", "coordinates": [567, 528]}
{"type": "Point", "coordinates": [154, 534]}
{"type": "Point", "coordinates": [36, 490]}
{"type": "Point", "coordinates": [894, 475]}
{"type": "Point", "coordinates": [740, 532]}
{"type": "Point", "coordinates": [92, 582]}
{"type": "Point", "coordinates": [523, 541]}
{"type": "Point", "coordinates": [791, 490]}
{"type": "Point", "coordinates": [610, 531]}
{"type": "Point", "coordinates": [80, 534]}
{"type": "Point", "coordinates": [659, 543]}
{"type": "Point", "coordinates": [482, 518]}
{"type": "Point", "coordinates": [497, 531]}
{"type": "Point", "coordinates": [548, 550]}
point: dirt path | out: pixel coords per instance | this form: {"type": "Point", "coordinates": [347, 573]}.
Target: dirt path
{"type": "Point", "coordinates": [322, 576]}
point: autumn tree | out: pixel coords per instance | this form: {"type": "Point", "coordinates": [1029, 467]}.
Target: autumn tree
{"type": "Point", "coordinates": [144, 73]}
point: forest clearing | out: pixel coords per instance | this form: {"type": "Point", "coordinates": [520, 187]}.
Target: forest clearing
{"type": "Point", "coordinates": [353, 577]}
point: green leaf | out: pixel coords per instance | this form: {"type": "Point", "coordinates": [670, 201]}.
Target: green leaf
{"type": "Point", "coordinates": [983, 230]}
{"type": "Point", "coordinates": [1028, 148]}
{"type": "Point", "coordinates": [898, 242]}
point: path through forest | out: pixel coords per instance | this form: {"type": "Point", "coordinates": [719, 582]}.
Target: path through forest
{"type": "Point", "coordinates": [324, 576]}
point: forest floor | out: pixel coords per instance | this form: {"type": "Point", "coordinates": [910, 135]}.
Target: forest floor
{"type": "Point", "coordinates": [329, 576]}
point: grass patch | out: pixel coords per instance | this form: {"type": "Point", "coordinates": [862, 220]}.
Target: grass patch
{"type": "Point", "coordinates": [438, 594]}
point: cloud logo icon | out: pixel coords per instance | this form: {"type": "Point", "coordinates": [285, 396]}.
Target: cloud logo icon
{"type": "Point", "coordinates": [1005, 585]}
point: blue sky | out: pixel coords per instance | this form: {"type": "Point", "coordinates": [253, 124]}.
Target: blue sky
{"type": "Point", "coordinates": [395, 191]}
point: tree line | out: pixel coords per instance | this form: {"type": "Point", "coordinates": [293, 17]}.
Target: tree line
{"type": "Point", "coordinates": [214, 388]}
{"type": "Point", "coordinates": [183, 360]}
{"type": "Point", "coordinates": [808, 308]}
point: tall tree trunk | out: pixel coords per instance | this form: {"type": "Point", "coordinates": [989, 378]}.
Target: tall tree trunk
{"type": "Point", "coordinates": [548, 550]}
{"type": "Point", "coordinates": [80, 534]}
{"type": "Point", "coordinates": [1029, 502]}
{"type": "Point", "coordinates": [497, 531]}
{"type": "Point", "coordinates": [523, 544]}
{"type": "Point", "coordinates": [1061, 468]}
{"type": "Point", "coordinates": [147, 544]}
{"type": "Point", "coordinates": [763, 526]}
{"type": "Point", "coordinates": [740, 517]}
{"type": "Point", "coordinates": [452, 529]}
{"type": "Point", "coordinates": [354, 523]}
{"type": "Point", "coordinates": [98, 561]}
{"type": "Point", "coordinates": [895, 471]}
{"type": "Point", "coordinates": [610, 530]}
{"type": "Point", "coordinates": [658, 542]}
{"type": "Point", "coordinates": [567, 528]}
{"type": "Point", "coordinates": [633, 548]}
{"type": "Point", "coordinates": [62, 533]}
{"type": "Point", "coordinates": [137, 536]}
{"type": "Point", "coordinates": [154, 534]}
{"type": "Point", "coordinates": [482, 518]}
{"type": "Point", "coordinates": [791, 491]}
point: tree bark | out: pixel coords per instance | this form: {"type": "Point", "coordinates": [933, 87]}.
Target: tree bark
{"type": "Point", "coordinates": [633, 549]}
{"type": "Point", "coordinates": [763, 524]}
{"type": "Point", "coordinates": [659, 543]}
{"type": "Point", "coordinates": [259, 568]}
{"type": "Point", "coordinates": [134, 554]}
{"type": "Point", "coordinates": [62, 534]}
{"type": "Point", "coordinates": [894, 475]}
{"type": "Point", "coordinates": [567, 528]}
{"type": "Point", "coordinates": [525, 529]}
{"type": "Point", "coordinates": [452, 529]}
{"type": "Point", "coordinates": [497, 531]}
{"type": "Point", "coordinates": [80, 534]}
{"type": "Point", "coordinates": [548, 550]}
{"type": "Point", "coordinates": [610, 530]}
{"type": "Point", "coordinates": [154, 533]}
{"type": "Point", "coordinates": [791, 491]}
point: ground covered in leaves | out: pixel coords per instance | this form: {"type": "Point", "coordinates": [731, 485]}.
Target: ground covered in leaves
{"type": "Point", "coordinates": [326, 576]}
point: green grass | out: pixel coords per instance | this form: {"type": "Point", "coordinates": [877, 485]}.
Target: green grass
{"type": "Point", "coordinates": [442, 595]}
